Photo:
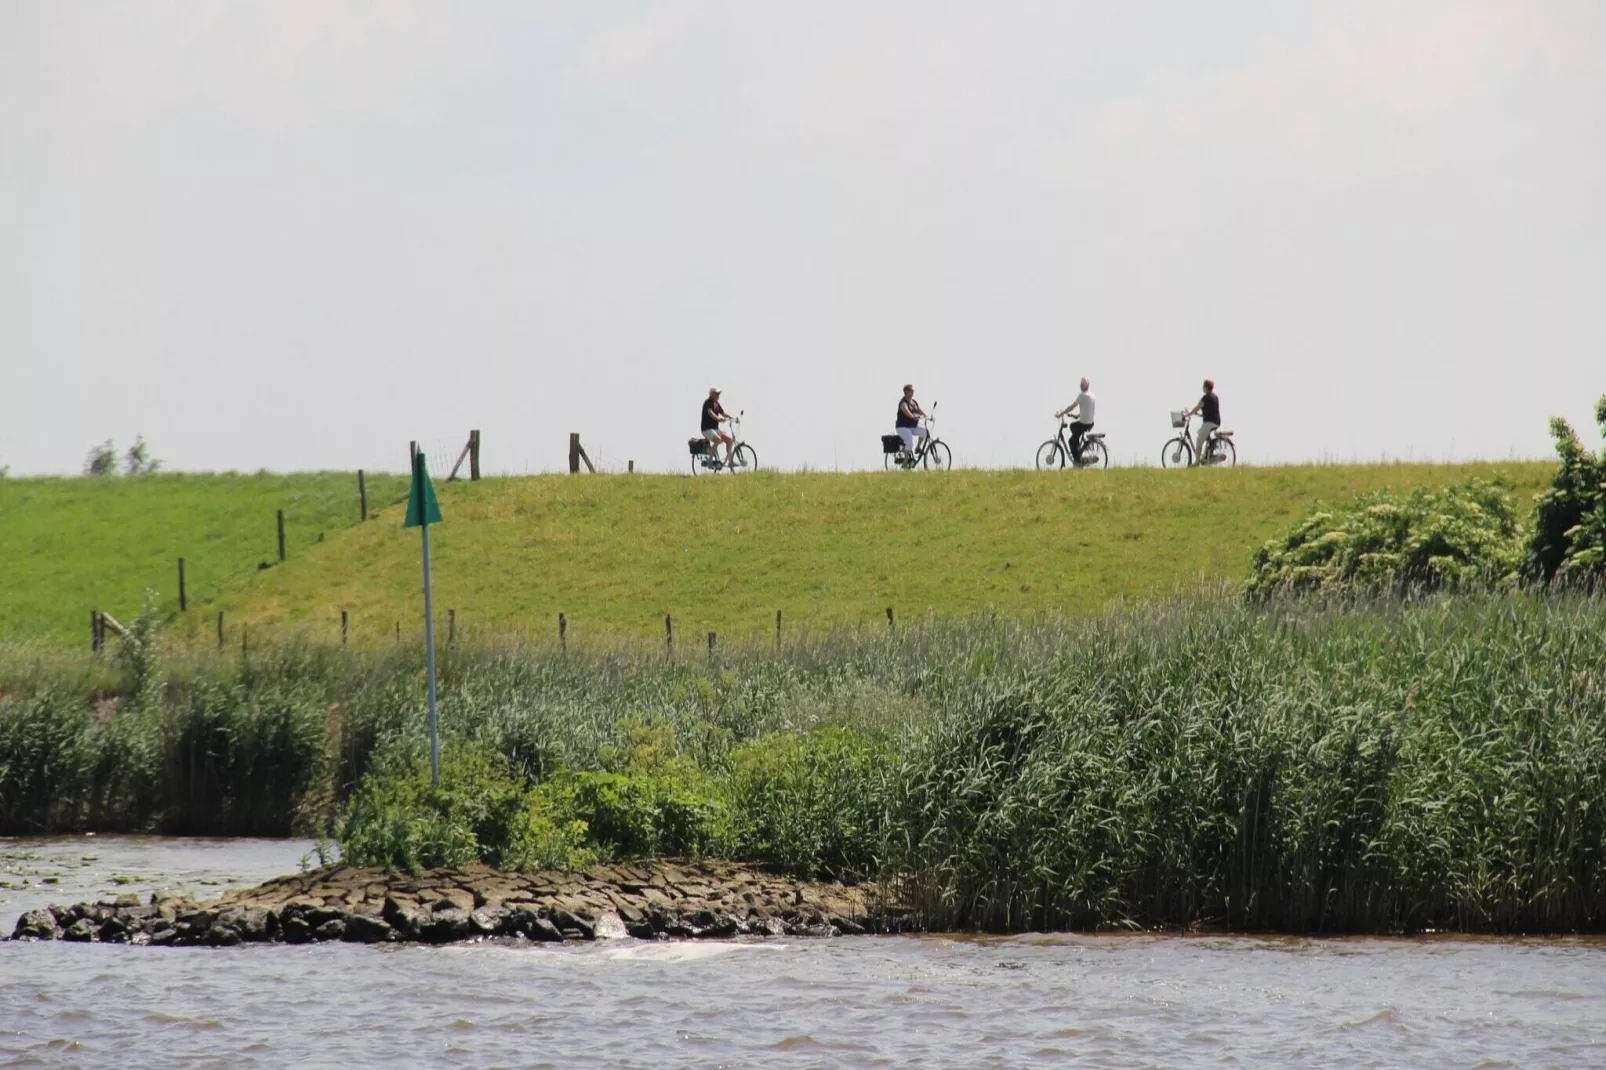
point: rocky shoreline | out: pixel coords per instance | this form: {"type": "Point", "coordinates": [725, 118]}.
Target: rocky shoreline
{"type": "Point", "coordinates": [649, 900]}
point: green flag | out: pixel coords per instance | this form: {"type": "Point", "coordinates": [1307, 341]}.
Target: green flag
{"type": "Point", "coordinates": [421, 505]}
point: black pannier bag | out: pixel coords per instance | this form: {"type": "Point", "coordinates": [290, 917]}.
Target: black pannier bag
{"type": "Point", "coordinates": [697, 446]}
{"type": "Point", "coordinates": [891, 443]}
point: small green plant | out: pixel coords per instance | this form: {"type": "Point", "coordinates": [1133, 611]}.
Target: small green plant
{"type": "Point", "coordinates": [1569, 534]}
{"type": "Point", "coordinates": [102, 460]}
{"type": "Point", "coordinates": [1463, 537]}
{"type": "Point", "coordinates": [137, 461]}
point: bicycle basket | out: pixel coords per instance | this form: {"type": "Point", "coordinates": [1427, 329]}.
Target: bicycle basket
{"type": "Point", "coordinates": [697, 446]}
{"type": "Point", "coordinates": [891, 443]}
{"type": "Point", "coordinates": [1179, 418]}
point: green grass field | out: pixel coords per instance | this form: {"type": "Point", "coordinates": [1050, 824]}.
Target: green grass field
{"type": "Point", "coordinates": [615, 553]}
{"type": "Point", "coordinates": [71, 545]}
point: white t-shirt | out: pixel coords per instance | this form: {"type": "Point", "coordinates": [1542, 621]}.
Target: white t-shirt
{"type": "Point", "coordinates": [1084, 407]}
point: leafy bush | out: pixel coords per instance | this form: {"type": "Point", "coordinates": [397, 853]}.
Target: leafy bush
{"type": "Point", "coordinates": [1569, 535]}
{"type": "Point", "coordinates": [1462, 537]}
{"type": "Point", "coordinates": [813, 804]}
{"type": "Point", "coordinates": [482, 812]}
{"type": "Point", "coordinates": [672, 810]}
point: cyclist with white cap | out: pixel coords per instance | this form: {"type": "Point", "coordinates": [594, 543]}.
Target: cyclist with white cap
{"type": "Point", "coordinates": [713, 415]}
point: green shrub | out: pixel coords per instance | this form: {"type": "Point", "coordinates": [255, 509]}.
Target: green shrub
{"type": "Point", "coordinates": [1463, 537]}
{"type": "Point", "coordinates": [1569, 534]}
{"type": "Point", "coordinates": [673, 810]}
{"type": "Point", "coordinates": [482, 812]}
{"type": "Point", "coordinates": [813, 804]}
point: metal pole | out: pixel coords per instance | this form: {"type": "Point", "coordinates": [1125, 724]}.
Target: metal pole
{"type": "Point", "coordinates": [429, 657]}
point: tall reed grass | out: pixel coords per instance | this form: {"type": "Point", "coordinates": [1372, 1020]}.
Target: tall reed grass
{"type": "Point", "coordinates": [1373, 766]}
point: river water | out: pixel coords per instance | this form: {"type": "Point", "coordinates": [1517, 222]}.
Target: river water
{"type": "Point", "coordinates": [1089, 1001]}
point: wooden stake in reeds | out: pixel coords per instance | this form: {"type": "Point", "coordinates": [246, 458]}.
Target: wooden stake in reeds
{"type": "Point", "coordinates": [97, 631]}
{"type": "Point", "coordinates": [220, 629]}
{"type": "Point", "coordinates": [451, 625]}
{"type": "Point", "coordinates": [362, 493]}
{"type": "Point", "coordinates": [891, 621]}
{"type": "Point", "coordinates": [669, 635]}
{"type": "Point", "coordinates": [281, 534]}
{"type": "Point", "coordinates": [710, 646]}
{"type": "Point", "coordinates": [183, 600]}
{"type": "Point", "coordinates": [777, 631]}
{"type": "Point", "coordinates": [563, 633]}
{"type": "Point", "coordinates": [344, 626]}
{"type": "Point", "coordinates": [398, 631]}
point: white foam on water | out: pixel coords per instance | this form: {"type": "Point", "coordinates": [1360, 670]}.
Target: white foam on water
{"type": "Point", "coordinates": [683, 951]}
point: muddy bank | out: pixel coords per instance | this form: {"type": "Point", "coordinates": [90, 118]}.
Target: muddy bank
{"type": "Point", "coordinates": [649, 900]}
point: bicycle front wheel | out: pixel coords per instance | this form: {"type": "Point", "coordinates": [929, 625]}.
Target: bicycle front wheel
{"type": "Point", "coordinates": [746, 459]}
{"type": "Point", "coordinates": [1177, 453]}
{"type": "Point", "coordinates": [1094, 455]}
{"type": "Point", "coordinates": [937, 456]}
{"type": "Point", "coordinates": [1049, 455]}
{"type": "Point", "coordinates": [1222, 451]}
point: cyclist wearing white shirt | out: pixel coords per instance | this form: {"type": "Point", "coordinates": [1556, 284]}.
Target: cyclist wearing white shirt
{"type": "Point", "coordinates": [1083, 406]}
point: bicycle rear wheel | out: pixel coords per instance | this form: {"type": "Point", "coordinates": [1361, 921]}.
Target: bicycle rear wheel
{"type": "Point", "coordinates": [1176, 454]}
{"type": "Point", "coordinates": [937, 456]}
{"type": "Point", "coordinates": [1094, 455]}
{"type": "Point", "coordinates": [1049, 455]}
{"type": "Point", "coordinates": [746, 459]}
{"type": "Point", "coordinates": [1223, 452]}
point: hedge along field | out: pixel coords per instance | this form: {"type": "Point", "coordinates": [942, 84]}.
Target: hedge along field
{"type": "Point", "coordinates": [615, 553]}
{"type": "Point", "coordinates": [68, 546]}
{"type": "Point", "coordinates": [1365, 767]}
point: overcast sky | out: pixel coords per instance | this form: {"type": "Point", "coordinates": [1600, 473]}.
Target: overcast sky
{"type": "Point", "coordinates": [296, 235]}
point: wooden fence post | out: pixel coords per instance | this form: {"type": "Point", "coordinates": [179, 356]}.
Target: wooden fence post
{"type": "Point", "coordinates": [563, 633]}
{"type": "Point", "coordinates": [412, 451]}
{"type": "Point", "coordinates": [362, 493]}
{"type": "Point", "coordinates": [183, 600]}
{"type": "Point", "coordinates": [281, 534]}
{"type": "Point", "coordinates": [669, 635]}
{"type": "Point", "coordinates": [891, 622]}
{"type": "Point", "coordinates": [398, 631]}
{"type": "Point", "coordinates": [473, 456]}
{"type": "Point", "coordinates": [777, 631]}
{"type": "Point", "coordinates": [710, 646]}
{"type": "Point", "coordinates": [220, 629]}
{"type": "Point", "coordinates": [577, 453]}
{"type": "Point", "coordinates": [94, 631]}
{"type": "Point", "coordinates": [344, 627]}
{"type": "Point", "coordinates": [245, 641]}
{"type": "Point", "coordinates": [630, 466]}
{"type": "Point", "coordinates": [451, 625]}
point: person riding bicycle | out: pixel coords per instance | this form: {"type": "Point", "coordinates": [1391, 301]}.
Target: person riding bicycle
{"type": "Point", "coordinates": [908, 423]}
{"type": "Point", "coordinates": [713, 415]}
{"type": "Point", "coordinates": [1083, 406]}
{"type": "Point", "coordinates": [1209, 412]}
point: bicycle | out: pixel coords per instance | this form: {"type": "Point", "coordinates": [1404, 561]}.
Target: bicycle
{"type": "Point", "coordinates": [705, 456]}
{"type": "Point", "coordinates": [1057, 451]}
{"type": "Point", "coordinates": [1219, 448]}
{"type": "Point", "coordinates": [929, 452]}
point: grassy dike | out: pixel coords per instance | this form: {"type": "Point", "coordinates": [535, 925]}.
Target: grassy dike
{"type": "Point", "coordinates": [827, 549]}
{"type": "Point", "coordinates": [615, 553]}
{"type": "Point", "coordinates": [68, 546]}
{"type": "Point", "coordinates": [1298, 767]}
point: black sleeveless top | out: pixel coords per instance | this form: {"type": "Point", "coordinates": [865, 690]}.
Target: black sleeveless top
{"type": "Point", "coordinates": [908, 421]}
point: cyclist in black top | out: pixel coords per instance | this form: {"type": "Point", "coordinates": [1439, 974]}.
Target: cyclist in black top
{"type": "Point", "coordinates": [713, 415]}
{"type": "Point", "coordinates": [1209, 412]}
{"type": "Point", "coordinates": [908, 422]}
